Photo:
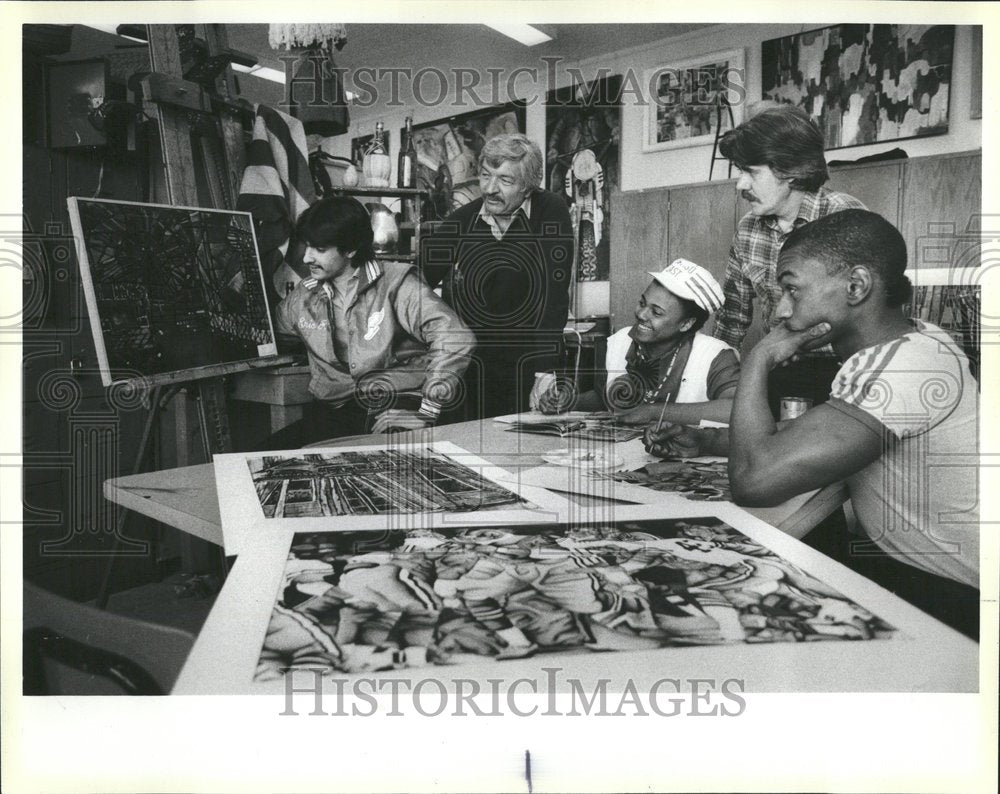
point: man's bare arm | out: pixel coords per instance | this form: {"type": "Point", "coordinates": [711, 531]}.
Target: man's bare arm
{"type": "Point", "coordinates": [822, 446]}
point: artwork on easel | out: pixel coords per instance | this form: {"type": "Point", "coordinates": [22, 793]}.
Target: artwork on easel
{"type": "Point", "coordinates": [369, 487]}
{"type": "Point", "coordinates": [173, 293]}
{"type": "Point", "coordinates": [364, 602]}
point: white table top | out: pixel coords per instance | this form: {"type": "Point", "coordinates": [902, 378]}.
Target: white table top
{"type": "Point", "coordinates": [186, 497]}
{"type": "Point", "coordinates": [928, 656]}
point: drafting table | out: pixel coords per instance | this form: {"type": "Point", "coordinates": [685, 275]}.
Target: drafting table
{"type": "Point", "coordinates": [186, 498]}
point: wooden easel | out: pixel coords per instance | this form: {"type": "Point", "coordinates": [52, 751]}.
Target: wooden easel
{"type": "Point", "coordinates": [183, 110]}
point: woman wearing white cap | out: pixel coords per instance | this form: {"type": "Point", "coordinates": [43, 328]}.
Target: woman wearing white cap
{"type": "Point", "coordinates": [662, 367]}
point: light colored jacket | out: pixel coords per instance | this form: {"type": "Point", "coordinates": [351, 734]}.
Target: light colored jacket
{"type": "Point", "coordinates": [401, 337]}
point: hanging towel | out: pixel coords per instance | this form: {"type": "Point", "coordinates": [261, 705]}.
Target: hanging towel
{"type": "Point", "coordinates": [276, 188]}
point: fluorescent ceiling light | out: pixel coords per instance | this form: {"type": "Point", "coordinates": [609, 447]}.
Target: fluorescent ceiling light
{"type": "Point", "coordinates": [525, 34]}
{"type": "Point", "coordinates": [113, 30]}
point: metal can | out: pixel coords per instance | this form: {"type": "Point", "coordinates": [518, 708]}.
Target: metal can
{"type": "Point", "coordinates": [794, 407]}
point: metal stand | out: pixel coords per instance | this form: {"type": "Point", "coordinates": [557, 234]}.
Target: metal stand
{"type": "Point", "coordinates": [214, 431]}
{"type": "Point", "coordinates": [722, 102]}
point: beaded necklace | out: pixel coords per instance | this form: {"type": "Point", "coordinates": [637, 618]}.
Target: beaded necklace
{"type": "Point", "coordinates": [650, 395]}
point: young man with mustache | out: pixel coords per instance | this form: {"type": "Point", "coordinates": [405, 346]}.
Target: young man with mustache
{"type": "Point", "coordinates": [779, 154]}
{"type": "Point", "coordinates": [385, 353]}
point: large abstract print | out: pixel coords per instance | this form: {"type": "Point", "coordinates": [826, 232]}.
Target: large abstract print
{"type": "Point", "coordinates": [364, 601]}
{"type": "Point", "coordinates": [865, 83]}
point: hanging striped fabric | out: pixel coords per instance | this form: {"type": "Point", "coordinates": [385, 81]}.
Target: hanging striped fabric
{"type": "Point", "coordinates": [276, 188]}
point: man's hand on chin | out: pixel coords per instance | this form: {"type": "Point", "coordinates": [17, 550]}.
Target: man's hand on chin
{"type": "Point", "coordinates": [781, 345]}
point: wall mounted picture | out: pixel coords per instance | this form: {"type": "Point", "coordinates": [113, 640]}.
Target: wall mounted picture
{"type": "Point", "coordinates": [583, 138]}
{"type": "Point", "coordinates": [373, 487]}
{"type": "Point", "coordinates": [694, 100]}
{"type": "Point", "coordinates": [448, 154]}
{"type": "Point", "coordinates": [173, 293]}
{"type": "Point", "coordinates": [865, 83]}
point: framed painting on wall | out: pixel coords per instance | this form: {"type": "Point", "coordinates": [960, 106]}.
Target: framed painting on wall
{"type": "Point", "coordinates": [690, 98]}
{"type": "Point", "coordinates": [448, 154]}
{"type": "Point", "coordinates": [583, 141]}
{"type": "Point", "coordinates": [864, 83]}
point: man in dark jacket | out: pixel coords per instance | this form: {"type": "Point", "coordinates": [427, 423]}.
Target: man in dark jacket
{"type": "Point", "coordinates": [505, 260]}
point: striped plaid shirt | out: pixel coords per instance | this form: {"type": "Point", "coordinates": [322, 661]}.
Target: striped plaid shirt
{"type": "Point", "coordinates": [753, 261]}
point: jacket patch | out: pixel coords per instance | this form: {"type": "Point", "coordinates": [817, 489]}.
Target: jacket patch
{"type": "Point", "coordinates": [374, 324]}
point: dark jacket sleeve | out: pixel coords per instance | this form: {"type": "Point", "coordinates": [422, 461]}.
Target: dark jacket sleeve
{"type": "Point", "coordinates": [439, 247]}
{"type": "Point", "coordinates": [555, 233]}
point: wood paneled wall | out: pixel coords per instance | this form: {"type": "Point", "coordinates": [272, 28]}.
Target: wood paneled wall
{"type": "Point", "coordinates": [929, 199]}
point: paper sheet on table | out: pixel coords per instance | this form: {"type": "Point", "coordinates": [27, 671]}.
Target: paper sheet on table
{"type": "Point", "coordinates": [537, 417]}
{"type": "Point", "coordinates": [634, 456]}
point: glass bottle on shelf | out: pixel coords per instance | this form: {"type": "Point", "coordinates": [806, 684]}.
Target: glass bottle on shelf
{"type": "Point", "coordinates": [406, 171]}
{"type": "Point", "coordinates": [377, 166]}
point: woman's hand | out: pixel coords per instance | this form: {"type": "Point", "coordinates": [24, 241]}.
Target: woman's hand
{"type": "Point", "coordinates": [673, 441]}
{"type": "Point", "coordinates": [554, 400]}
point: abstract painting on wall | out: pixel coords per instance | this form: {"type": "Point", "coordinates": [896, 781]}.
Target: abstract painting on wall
{"type": "Point", "coordinates": [864, 83]}
{"type": "Point", "coordinates": [693, 100]}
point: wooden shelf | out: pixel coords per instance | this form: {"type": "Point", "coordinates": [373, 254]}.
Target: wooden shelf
{"type": "Point", "coordinates": [415, 229]}
{"type": "Point", "coordinates": [401, 192]}
{"type": "Point", "coordinates": [397, 257]}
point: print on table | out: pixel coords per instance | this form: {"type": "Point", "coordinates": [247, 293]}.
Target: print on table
{"type": "Point", "coordinates": [371, 482]}
{"type": "Point", "coordinates": [365, 601]}
{"type": "Point", "coordinates": [703, 482]}
{"type": "Point", "coordinates": [600, 428]}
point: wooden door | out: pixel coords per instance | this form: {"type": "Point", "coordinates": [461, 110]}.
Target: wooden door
{"type": "Point", "coordinates": [941, 210]}
{"type": "Point", "coordinates": [702, 224]}
{"type": "Point", "coordinates": [639, 233]}
{"type": "Point", "coordinates": [877, 185]}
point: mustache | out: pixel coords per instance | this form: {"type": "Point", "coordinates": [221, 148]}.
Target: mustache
{"type": "Point", "coordinates": [747, 195]}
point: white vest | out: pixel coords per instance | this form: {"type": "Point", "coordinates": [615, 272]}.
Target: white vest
{"type": "Point", "coordinates": [694, 381]}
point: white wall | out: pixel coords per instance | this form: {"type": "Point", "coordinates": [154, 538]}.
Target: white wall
{"type": "Point", "coordinates": [680, 166]}
{"type": "Point", "coordinates": [677, 166]}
